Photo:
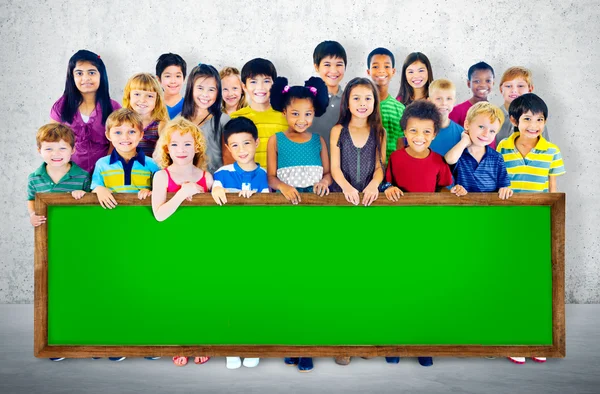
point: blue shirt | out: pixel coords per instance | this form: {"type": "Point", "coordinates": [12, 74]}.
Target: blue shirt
{"type": "Point", "coordinates": [446, 138]}
{"type": "Point", "coordinates": [489, 175]}
{"type": "Point", "coordinates": [234, 179]}
{"type": "Point", "coordinates": [176, 109]}
{"type": "Point", "coordinates": [119, 176]}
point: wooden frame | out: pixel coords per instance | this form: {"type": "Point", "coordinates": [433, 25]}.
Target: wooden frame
{"type": "Point", "coordinates": [558, 348]}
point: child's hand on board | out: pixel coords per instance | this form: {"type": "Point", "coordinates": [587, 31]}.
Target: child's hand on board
{"type": "Point", "coordinates": [246, 193]}
{"type": "Point", "coordinates": [36, 220]}
{"type": "Point", "coordinates": [189, 189]}
{"type": "Point", "coordinates": [370, 194]}
{"type": "Point", "coordinates": [77, 194]}
{"type": "Point", "coordinates": [458, 190]}
{"type": "Point", "coordinates": [219, 195]}
{"type": "Point", "coordinates": [290, 193]}
{"type": "Point", "coordinates": [351, 195]}
{"type": "Point", "coordinates": [143, 193]}
{"type": "Point", "coordinates": [393, 193]}
{"type": "Point", "coordinates": [505, 192]}
{"type": "Point", "coordinates": [321, 189]}
{"type": "Point", "coordinates": [105, 197]}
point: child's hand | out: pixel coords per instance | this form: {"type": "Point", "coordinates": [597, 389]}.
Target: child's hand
{"type": "Point", "coordinates": [219, 195]}
{"type": "Point", "coordinates": [505, 192]}
{"type": "Point", "coordinates": [143, 193]}
{"type": "Point", "coordinates": [393, 193]}
{"type": "Point", "coordinates": [290, 193]}
{"type": "Point", "coordinates": [77, 194]}
{"type": "Point", "coordinates": [351, 195]}
{"type": "Point", "coordinates": [321, 189]}
{"type": "Point", "coordinates": [105, 197]}
{"type": "Point", "coordinates": [370, 194]}
{"type": "Point", "coordinates": [246, 193]}
{"type": "Point", "coordinates": [36, 220]}
{"type": "Point", "coordinates": [458, 190]}
{"type": "Point", "coordinates": [465, 139]}
{"type": "Point", "coordinates": [189, 189]}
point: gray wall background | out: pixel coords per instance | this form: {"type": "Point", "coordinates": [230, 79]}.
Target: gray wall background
{"type": "Point", "coordinates": [558, 41]}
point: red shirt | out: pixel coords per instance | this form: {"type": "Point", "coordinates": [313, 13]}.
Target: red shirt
{"type": "Point", "coordinates": [418, 175]}
{"type": "Point", "coordinates": [459, 113]}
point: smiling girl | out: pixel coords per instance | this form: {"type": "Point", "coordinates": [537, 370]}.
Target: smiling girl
{"type": "Point", "coordinates": [415, 78]}
{"type": "Point", "coordinates": [234, 97]}
{"type": "Point", "coordinates": [202, 106]}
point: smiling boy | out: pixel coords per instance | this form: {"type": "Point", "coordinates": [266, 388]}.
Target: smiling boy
{"type": "Point", "coordinates": [171, 71]}
{"type": "Point", "coordinates": [381, 68]}
{"type": "Point", "coordinates": [480, 79]}
{"type": "Point", "coordinates": [126, 169]}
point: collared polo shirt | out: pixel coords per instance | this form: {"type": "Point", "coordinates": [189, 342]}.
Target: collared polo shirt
{"type": "Point", "coordinates": [530, 173]}
{"type": "Point", "coordinates": [40, 182]}
{"type": "Point", "coordinates": [487, 175]}
{"type": "Point", "coordinates": [324, 123]}
{"type": "Point", "coordinates": [119, 176]}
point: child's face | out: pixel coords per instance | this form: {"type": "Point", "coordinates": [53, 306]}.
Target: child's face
{"type": "Point", "coordinates": [331, 70]}
{"type": "Point", "coordinates": [231, 87]}
{"type": "Point", "coordinates": [381, 70]}
{"type": "Point", "coordinates": [205, 92]}
{"type": "Point", "coordinates": [171, 80]}
{"type": "Point", "coordinates": [417, 75]}
{"type": "Point", "coordinates": [242, 147]}
{"type": "Point", "coordinates": [362, 101]}
{"type": "Point", "coordinates": [258, 88]}
{"type": "Point", "coordinates": [87, 77]}
{"type": "Point", "coordinates": [125, 138]}
{"type": "Point", "coordinates": [142, 102]}
{"type": "Point", "coordinates": [530, 125]}
{"type": "Point", "coordinates": [419, 133]}
{"type": "Point", "coordinates": [444, 100]}
{"type": "Point", "coordinates": [481, 83]}
{"type": "Point", "coordinates": [299, 114]}
{"type": "Point", "coordinates": [481, 130]}
{"type": "Point", "coordinates": [56, 154]}
{"type": "Point", "coordinates": [514, 88]}
{"type": "Point", "coordinates": [181, 148]}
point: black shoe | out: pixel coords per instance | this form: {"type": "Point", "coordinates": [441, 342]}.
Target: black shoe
{"type": "Point", "coordinates": [291, 360]}
{"type": "Point", "coordinates": [392, 360]}
{"type": "Point", "coordinates": [305, 364]}
{"type": "Point", "coordinates": [426, 361]}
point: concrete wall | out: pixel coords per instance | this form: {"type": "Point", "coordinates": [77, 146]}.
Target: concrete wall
{"type": "Point", "coordinates": [559, 41]}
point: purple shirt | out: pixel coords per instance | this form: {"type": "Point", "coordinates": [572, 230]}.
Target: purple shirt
{"type": "Point", "coordinates": [90, 141]}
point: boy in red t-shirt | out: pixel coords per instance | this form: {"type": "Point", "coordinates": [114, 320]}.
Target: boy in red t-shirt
{"type": "Point", "coordinates": [417, 169]}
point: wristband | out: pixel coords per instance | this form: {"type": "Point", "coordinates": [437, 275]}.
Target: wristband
{"type": "Point", "coordinates": [384, 186]}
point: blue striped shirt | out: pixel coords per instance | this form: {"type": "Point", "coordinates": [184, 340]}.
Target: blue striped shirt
{"type": "Point", "coordinates": [234, 179]}
{"type": "Point", "coordinates": [489, 175]}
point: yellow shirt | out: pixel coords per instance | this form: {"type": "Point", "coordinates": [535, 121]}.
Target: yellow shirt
{"type": "Point", "coordinates": [268, 123]}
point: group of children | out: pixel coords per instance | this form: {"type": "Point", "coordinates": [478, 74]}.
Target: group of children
{"type": "Point", "coordinates": [251, 132]}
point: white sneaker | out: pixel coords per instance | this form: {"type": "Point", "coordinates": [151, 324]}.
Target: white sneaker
{"type": "Point", "coordinates": [233, 362]}
{"type": "Point", "coordinates": [517, 360]}
{"type": "Point", "coordinates": [251, 362]}
{"type": "Point", "coordinates": [539, 359]}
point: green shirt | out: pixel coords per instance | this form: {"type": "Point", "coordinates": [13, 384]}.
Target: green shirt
{"type": "Point", "coordinates": [391, 113]}
{"type": "Point", "coordinates": [40, 182]}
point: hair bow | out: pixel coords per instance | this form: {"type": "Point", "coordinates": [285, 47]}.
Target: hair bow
{"type": "Point", "coordinates": [313, 90]}
{"type": "Point", "coordinates": [286, 89]}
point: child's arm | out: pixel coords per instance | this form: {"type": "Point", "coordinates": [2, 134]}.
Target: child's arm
{"type": "Point", "coordinates": [34, 219]}
{"type": "Point", "coordinates": [459, 190]}
{"type": "Point", "coordinates": [289, 192]}
{"type": "Point", "coordinates": [104, 194]}
{"type": "Point", "coordinates": [162, 208]}
{"type": "Point", "coordinates": [321, 188]}
{"type": "Point", "coordinates": [349, 191]}
{"type": "Point", "coordinates": [457, 150]}
{"type": "Point", "coordinates": [371, 192]}
{"type": "Point", "coordinates": [552, 184]}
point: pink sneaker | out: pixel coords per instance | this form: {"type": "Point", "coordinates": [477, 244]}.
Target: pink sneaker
{"type": "Point", "coordinates": [517, 360]}
{"type": "Point", "coordinates": [539, 359]}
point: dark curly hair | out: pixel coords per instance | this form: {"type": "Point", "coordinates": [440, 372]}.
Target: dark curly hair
{"type": "Point", "coordinates": [280, 99]}
{"type": "Point", "coordinates": [422, 109]}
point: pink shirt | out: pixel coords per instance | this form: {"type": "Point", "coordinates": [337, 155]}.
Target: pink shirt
{"type": "Point", "coordinates": [172, 187]}
{"type": "Point", "coordinates": [459, 113]}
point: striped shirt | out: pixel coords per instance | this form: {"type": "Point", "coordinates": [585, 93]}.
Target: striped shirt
{"type": "Point", "coordinates": [530, 173]}
{"type": "Point", "coordinates": [391, 113]}
{"type": "Point", "coordinates": [119, 176]}
{"type": "Point", "coordinates": [40, 182]}
{"type": "Point", "coordinates": [234, 179]}
{"type": "Point", "coordinates": [487, 175]}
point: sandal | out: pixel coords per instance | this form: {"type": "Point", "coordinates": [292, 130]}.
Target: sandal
{"type": "Point", "coordinates": [180, 361]}
{"type": "Point", "coordinates": [201, 360]}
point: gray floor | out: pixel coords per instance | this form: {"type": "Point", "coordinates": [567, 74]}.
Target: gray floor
{"type": "Point", "coordinates": [20, 372]}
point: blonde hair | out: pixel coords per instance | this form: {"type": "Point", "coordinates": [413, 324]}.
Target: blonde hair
{"type": "Point", "coordinates": [516, 72]}
{"type": "Point", "coordinates": [182, 126]}
{"type": "Point", "coordinates": [441, 84]}
{"type": "Point", "coordinates": [122, 116]}
{"type": "Point", "coordinates": [149, 83]}
{"type": "Point", "coordinates": [484, 108]}
{"type": "Point", "coordinates": [225, 72]}
{"type": "Point", "coordinates": [54, 132]}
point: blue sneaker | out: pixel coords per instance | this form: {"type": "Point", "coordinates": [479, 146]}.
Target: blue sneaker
{"type": "Point", "coordinates": [291, 360]}
{"type": "Point", "coordinates": [152, 358]}
{"type": "Point", "coordinates": [96, 358]}
{"type": "Point", "coordinates": [305, 364]}
{"type": "Point", "coordinates": [392, 360]}
{"type": "Point", "coordinates": [117, 359]}
{"type": "Point", "coordinates": [56, 358]}
{"type": "Point", "coordinates": [426, 361]}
